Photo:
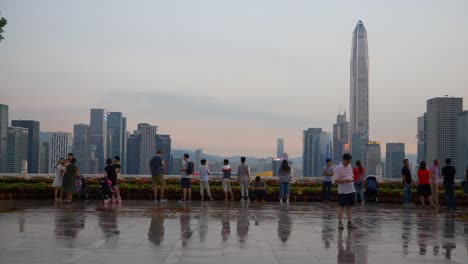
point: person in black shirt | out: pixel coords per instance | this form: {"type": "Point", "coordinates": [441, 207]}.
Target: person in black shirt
{"type": "Point", "coordinates": [448, 172]}
{"type": "Point", "coordinates": [111, 174]}
{"type": "Point", "coordinates": [406, 175]}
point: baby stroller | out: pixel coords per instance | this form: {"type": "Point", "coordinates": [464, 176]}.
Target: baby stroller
{"type": "Point", "coordinates": [105, 190]}
{"type": "Point", "coordinates": [82, 189]}
{"type": "Point", "coordinates": [371, 188]}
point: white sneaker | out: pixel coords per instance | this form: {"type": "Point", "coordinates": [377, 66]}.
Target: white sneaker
{"type": "Point", "coordinates": [287, 200]}
{"type": "Point", "coordinates": [281, 200]}
{"type": "Point", "coordinates": [163, 200]}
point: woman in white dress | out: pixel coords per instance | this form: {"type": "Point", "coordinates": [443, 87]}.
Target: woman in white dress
{"type": "Point", "coordinates": [57, 183]}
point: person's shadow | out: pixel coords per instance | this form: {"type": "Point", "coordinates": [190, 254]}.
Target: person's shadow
{"type": "Point", "coordinates": [243, 223]}
{"type": "Point", "coordinates": [225, 224]}
{"type": "Point", "coordinates": [185, 225]}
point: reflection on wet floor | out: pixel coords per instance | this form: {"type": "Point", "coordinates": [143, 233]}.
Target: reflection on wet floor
{"type": "Point", "coordinates": [202, 232]}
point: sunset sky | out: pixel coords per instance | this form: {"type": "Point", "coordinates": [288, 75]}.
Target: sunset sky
{"type": "Point", "coordinates": [230, 76]}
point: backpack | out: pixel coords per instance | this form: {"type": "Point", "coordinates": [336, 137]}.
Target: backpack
{"type": "Point", "coordinates": [190, 166]}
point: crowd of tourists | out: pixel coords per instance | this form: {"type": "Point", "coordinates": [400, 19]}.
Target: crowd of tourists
{"type": "Point", "coordinates": [351, 182]}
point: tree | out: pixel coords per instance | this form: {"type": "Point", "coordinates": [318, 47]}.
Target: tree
{"type": "Point", "coordinates": [3, 23]}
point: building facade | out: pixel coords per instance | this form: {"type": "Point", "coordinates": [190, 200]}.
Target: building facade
{"type": "Point", "coordinates": [422, 138]}
{"type": "Point", "coordinates": [98, 127]}
{"type": "Point", "coordinates": [17, 148]}
{"type": "Point", "coordinates": [462, 144]}
{"type": "Point", "coordinates": [115, 135]}
{"type": "Point", "coordinates": [312, 160]}
{"type": "Point", "coordinates": [60, 144]}
{"type": "Point", "coordinates": [80, 149]}
{"type": "Point", "coordinates": [359, 83]}
{"type": "Point", "coordinates": [373, 160]}
{"type": "Point", "coordinates": [33, 142]}
{"type": "Point", "coordinates": [279, 147]}
{"type": "Point", "coordinates": [163, 143]}
{"type": "Point", "coordinates": [340, 138]}
{"type": "Point", "coordinates": [442, 128]}
{"type": "Point", "coordinates": [394, 157]}
{"type": "Point", "coordinates": [359, 141]}
{"type": "Point", "coordinates": [326, 146]}
{"type": "Point", "coordinates": [4, 122]}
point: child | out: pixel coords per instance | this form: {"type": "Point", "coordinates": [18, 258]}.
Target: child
{"type": "Point", "coordinates": [227, 181]}
{"type": "Point", "coordinates": [204, 172]}
{"type": "Point", "coordinates": [58, 180]}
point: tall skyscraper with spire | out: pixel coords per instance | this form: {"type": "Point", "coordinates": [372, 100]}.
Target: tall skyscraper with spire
{"type": "Point", "coordinates": [359, 84]}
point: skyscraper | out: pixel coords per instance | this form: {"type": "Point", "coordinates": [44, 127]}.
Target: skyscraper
{"type": "Point", "coordinates": [312, 161]}
{"type": "Point", "coordinates": [60, 144]}
{"type": "Point", "coordinates": [373, 157]}
{"type": "Point", "coordinates": [133, 154]}
{"type": "Point", "coordinates": [17, 148]}
{"type": "Point", "coordinates": [340, 137]}
{"type": "Point", "coordinates": [123, 158]}
{"type": "Point", "coordinates": [394, 157]}
{"type": "Point", "coordinates": [33, 142]}
{"type": "Point", "coordinates": [81, 143]}
{"type": "Point", "coordinates": [163, 143]}
{"type": "Point", "coordinates": [98, 129]}
{"type": "Point", "coordinates": [359, 92]}
{"type": "Point", "coordinates": [147, 146]}
{"type": "Point", "coordinates": [421, 136]}
{"type": "Point", "coordinates": [114, 131]}
{"type": "Point", "coordinates": [442, 128]}
{"type": "Point", "coordinates": [359, 141]}
{"type": "Point", "coordinates": [3, 136]}
{"type": "Point", "coordinates": [279, 147]}
{"type": "Point", "coordinates": [462, 144]}
{"type": "Point", "coordinates": [43, 152]}
{"type": "Point", "coordinates": [325, 146]}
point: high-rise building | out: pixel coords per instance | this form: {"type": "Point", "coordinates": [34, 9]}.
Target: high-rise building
{"type": "Point", "coordinates": [123, 158]}
{"type": "Point", "coordinates": [80, 149]}
{"type": "Point", "coordinates": [198, 157]}
{"type": "Point", "coordinates": [359, 141]}
{"type": "Point", "coordinates": [147, 146]}
{"type": "Point", "coordinates": [279, 147]}
{"type": "Point", "coordinates": [4, 121]}
{"type": "Point", "coordinates": [17, 148]}
{"type": "Point", "coordinates": [33, 142]}
{"type": "Point", "coordinates": [359, 83]}
{"type": "Point", "coordinates": [394, 157]}
{"type": "Point", "coordinates": [43, 152]}
{"type": "Point", "coordinates": [163, 143]}
{"type": "Point", "coordinates": [326, 146]}
{"type": "Point", "coordinates": [422, 141]}
{"type": "Point", "coordinates": [340, 137]}
{"type": "Point", "coordinates": [115, 133]}
{"type": "Point", "coordinates": [373, 159]}
{"type": "Point", "coordinates": [176, 166]}
{"type": "Point", "coordinates": [133, 154]}
{"type": "Point", "coordinates": [60, 144]}
{"type": "Point", "coordinates": [98, 129]}
{"type": "Point", "coordinates": [312, 160]}
{"type": "Point", "coordinates": [442, 128]}
{"type": "Point", "coordinates": [462, 144]}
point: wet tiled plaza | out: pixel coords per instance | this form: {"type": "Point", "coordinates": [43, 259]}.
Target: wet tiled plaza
{"type": "Point", "coordinates": [218, 232]}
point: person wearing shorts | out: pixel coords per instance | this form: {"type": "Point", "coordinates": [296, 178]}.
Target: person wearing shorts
{"type": "Point", "coordinates": [185, 180]}
{"type": "Point", "coordinates": [158, 168]}
{"type": "Point", "coordinates": [227, 181]}
{"type": "Point", "coordinates": [111, 174]}
{"type": "Point", "coordinates": [344, 177]}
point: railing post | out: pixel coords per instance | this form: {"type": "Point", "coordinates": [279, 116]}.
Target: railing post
{"type": "Point", "coordinates": [24, 169]}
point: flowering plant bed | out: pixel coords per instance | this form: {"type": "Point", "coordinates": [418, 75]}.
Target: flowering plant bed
{"type": "Point", "coordinates": [40, 188]}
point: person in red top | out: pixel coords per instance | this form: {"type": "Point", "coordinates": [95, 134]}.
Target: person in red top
{"type": "Point", "coordinates": [424, 187]}
{"type": "Point", "coordinates": [359, 178]}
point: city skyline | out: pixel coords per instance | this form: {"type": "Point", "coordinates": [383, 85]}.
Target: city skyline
{"type": "Point", "coordinates": [184, 69]}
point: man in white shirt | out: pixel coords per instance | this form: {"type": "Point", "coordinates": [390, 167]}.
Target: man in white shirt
{"type": "Point", "coordinates": [344, 178]}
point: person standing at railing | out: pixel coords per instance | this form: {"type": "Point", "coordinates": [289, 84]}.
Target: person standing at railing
{"type": "Point", "coordinates": [243, 176]}
{"type": "Point", "coordinates": [346, 192]}
{"type": "Point", "coordinates": [448, 172]}
{"type": "Point", "coordinates": [58, 180]}
{"type": "Point", "coordinates": [434, 180]}
{"type": "Point", "coordinates": [359, 173]}
{"type": "Point", "coordinates": [158, 168]}
{"type": "Point", "coordinates": [110, 173]}
{"type": "Point", "coordinates": [407, 180]}
{"type": "Point", "coordinates": [204, 171]}
{"type": "Point", "coordinates": [227, 181]}
{"type": "Point", "coordinates": [69, 180]}
{"type": "Point", "coordinates": [327, 175]}
{"type": "Point", "coordinates": [284, 176]}
{"type": "Point", "coordinates": [185, 180]}
{"type": "Point", "coordinates": [117, 168]}
{"type": "Point", "coordinates": [424, 187]}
